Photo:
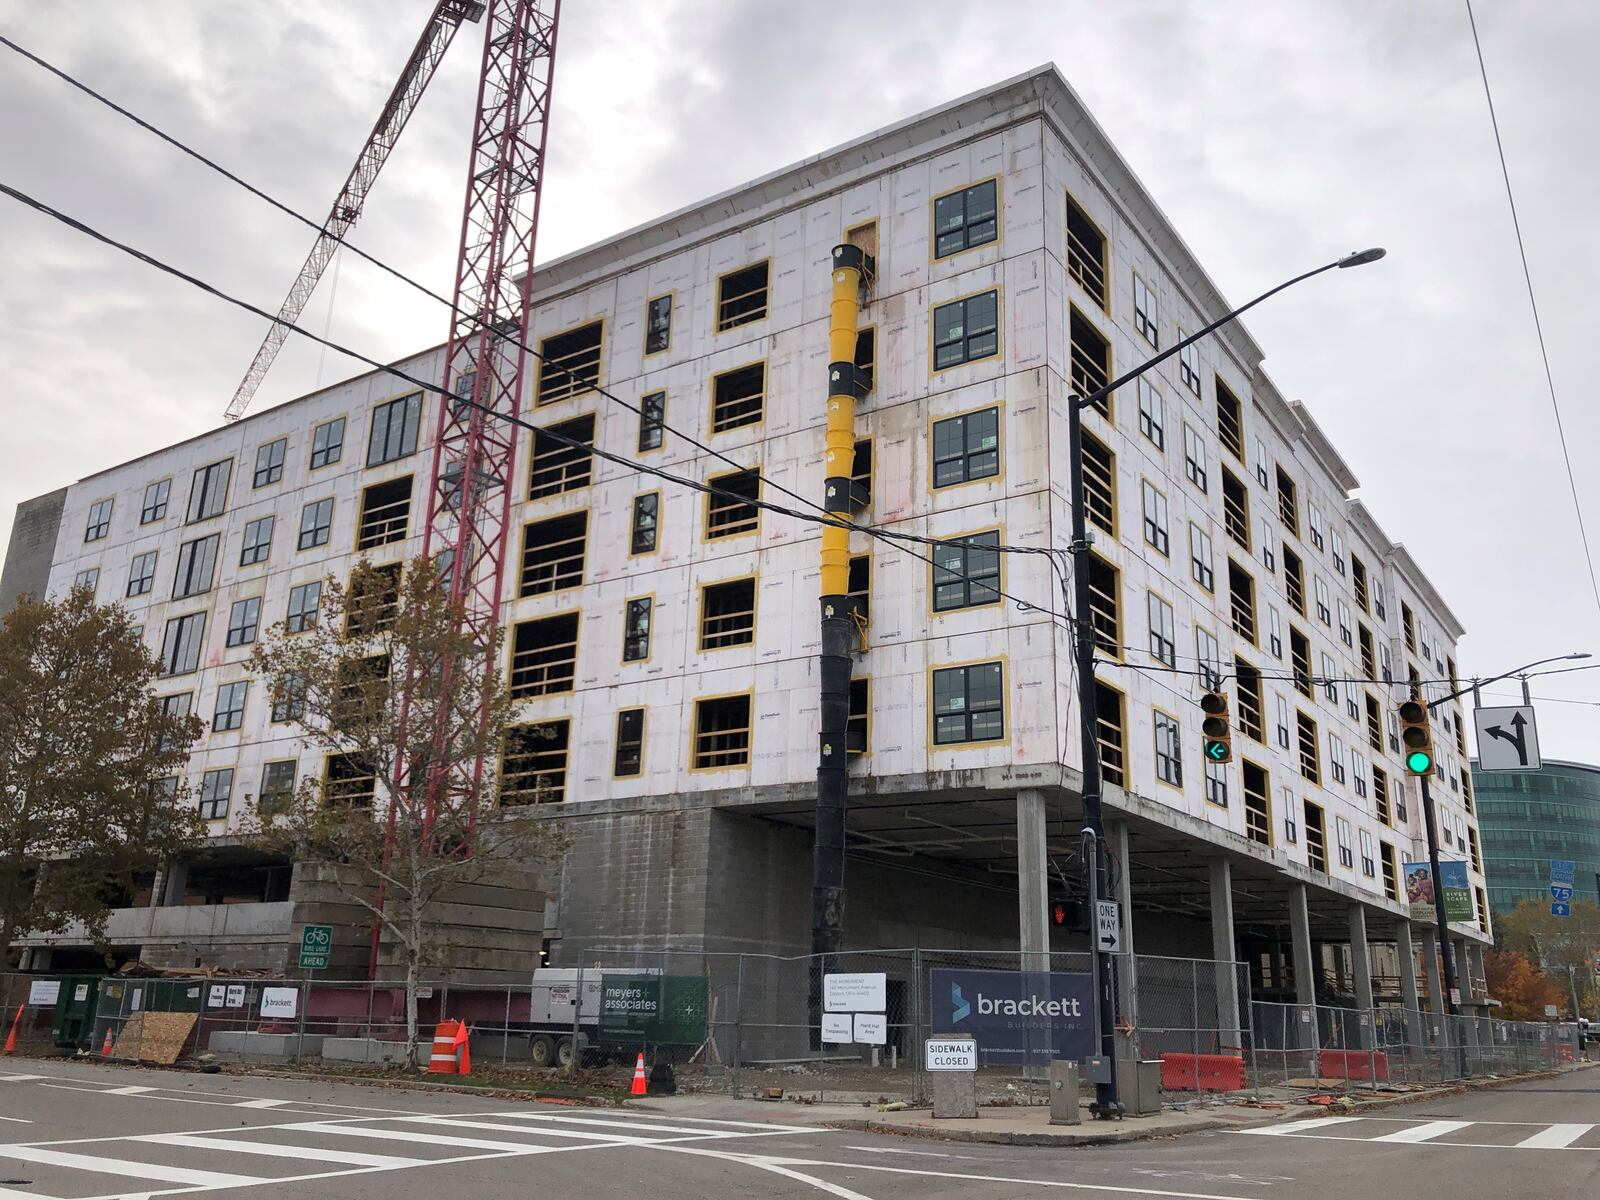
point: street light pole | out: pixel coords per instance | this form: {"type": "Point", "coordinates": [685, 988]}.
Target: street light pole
{"type": "Point", "coordinates": [1446, 962]}
{"type": "Point", "coordinates": [1106, 1104]}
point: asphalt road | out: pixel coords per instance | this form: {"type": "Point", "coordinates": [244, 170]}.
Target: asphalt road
{"type": "Point", "coordinates": [77, 1131]}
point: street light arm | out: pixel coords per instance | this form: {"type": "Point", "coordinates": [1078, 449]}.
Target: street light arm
{"type": "Point", "coordinates": [1127, 377]}
{"type": "Point", "coordinates": [1477, 683]}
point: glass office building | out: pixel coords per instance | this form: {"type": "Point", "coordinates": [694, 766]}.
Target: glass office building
{"type": "Point", "coordinates": [1531, 817]}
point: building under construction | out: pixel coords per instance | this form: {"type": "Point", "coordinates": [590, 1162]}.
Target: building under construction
{"type": "Point", "coordinates": [888, 330]}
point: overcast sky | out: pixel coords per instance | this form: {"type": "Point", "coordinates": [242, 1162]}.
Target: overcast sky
{"type": "Point", "coordinates": [1274, 135]}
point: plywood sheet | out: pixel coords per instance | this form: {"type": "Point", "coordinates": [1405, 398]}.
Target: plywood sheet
{"type": "Point", "coordinates": [157, 1037]}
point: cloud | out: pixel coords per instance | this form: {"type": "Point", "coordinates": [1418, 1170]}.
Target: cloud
{"type": "Point", "coordinates": [1274, 136]}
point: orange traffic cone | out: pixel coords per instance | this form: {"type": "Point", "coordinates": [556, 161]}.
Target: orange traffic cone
{"type": "Point", "coordinates": [105, 1046]}
{"type": "Point", "coordinates": [464, 1045]}
{"type": "Point", "coordinates": [638, 1088]}
{"type": "Point", "coordinates": [11, 1038]}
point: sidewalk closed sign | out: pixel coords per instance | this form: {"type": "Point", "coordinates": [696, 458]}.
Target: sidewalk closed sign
{"type": "Point", "coordinates": [951, 1054]}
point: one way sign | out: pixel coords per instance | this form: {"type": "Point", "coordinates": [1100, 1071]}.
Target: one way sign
{"type": "Point", "coordinates": [1507, 739]}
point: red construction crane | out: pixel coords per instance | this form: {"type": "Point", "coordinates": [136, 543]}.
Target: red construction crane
{"type": "Point", "coordinates": [435, 40]}
{"type": "Point", "coordinates": [475, 446]}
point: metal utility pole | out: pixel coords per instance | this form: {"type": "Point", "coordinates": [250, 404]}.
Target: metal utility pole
{"type": "Point", "coordinates": [346, 211]}
{"type": "Point", "coordinates": [1102, 967]}
{"type": "Point", "coordinates": [1446, 962]}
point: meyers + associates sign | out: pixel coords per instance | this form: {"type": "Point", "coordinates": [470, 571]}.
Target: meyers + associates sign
{"type": "Point", "coordinates": [1016, 1016]}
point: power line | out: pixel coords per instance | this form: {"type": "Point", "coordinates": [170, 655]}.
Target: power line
{"type": "Point", "coordinates": [890, 537]}
{"type": "Point", "coordinates": [1533, 303]}
{"type": "Point", "coordinates": [498, 333]}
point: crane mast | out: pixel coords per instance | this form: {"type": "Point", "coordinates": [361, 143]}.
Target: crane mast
{"type": "Point", "coordinates": [474, 451]}
{"type": "Point", "coordinates": [435, 40]}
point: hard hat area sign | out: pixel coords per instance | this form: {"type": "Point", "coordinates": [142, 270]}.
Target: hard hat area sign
{"type": "Point", "coordinates": [1508, 739]}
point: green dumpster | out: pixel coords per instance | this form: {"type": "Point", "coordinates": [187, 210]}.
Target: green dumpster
{"type": "Point", "coordinates": [73, 1022]}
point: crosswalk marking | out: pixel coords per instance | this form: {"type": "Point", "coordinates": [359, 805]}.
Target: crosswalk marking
{"type": "Point", "coordinates": [403, 1135]}
{"type": "Point", "coordinates": [261, 1103]}
{"type": "Point", "coordinates": [626, 1124]}
{"type": "Point", "coordinates": [1423, 1133]}
{"type": "Point", "coordinates": [1554, 1137]}
{"type": "Point", "coordinates": [127, 1167]}
{"type": "Point", "coordinates": [18, 1078]}
{"type": "Point", "coordinates": [499, 1127]}
{"type": "Point", "coordinates": [350, 1158]}
{"type": "Point", "coordinates": [1304, 1126]}
{"type": "Point", "coordinates": [133, 1089]}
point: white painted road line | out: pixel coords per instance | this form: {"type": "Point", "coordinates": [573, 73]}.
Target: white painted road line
{"type": "Point", "coordinates": [1423, 1133]}
{"type": "Point", "coordinates": [624, 1125]}
{"type": "Point", "coordinates": [18, 1120]}
{"type": "Point", "coordinates": [1554, 1137]}
{"type": "Point", "coordinates": [412, 1138]}
{"type": "Point", "coordinates": [18, 1078]}
{"type": "Point", "coordinates": [126, 1167]}
{"type": "Point", "coordinates": [133, 1089]}
{"type": "Point", "coordinates": [349, 1158]}
{"type": "Point", "coordinates": [543, 1130]}
{"type": "Point", "coordinates": [8, 1194]}
{"type": "Point", "coordinates": [1292, 1127]}
{"type": "Point", "coordinates": [260, 1103]}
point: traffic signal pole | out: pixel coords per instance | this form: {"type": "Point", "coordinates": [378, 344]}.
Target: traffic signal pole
{"type": "Point", "coordinates": [1106, 1104]}
{"type": "Point", "coordinates": [1447, 970]}
{"type": "Point", "coordinates": [1430, 823]}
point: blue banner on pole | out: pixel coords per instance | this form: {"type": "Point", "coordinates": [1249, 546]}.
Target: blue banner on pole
{"type": "Point", "coordinates": [1017, 1016]}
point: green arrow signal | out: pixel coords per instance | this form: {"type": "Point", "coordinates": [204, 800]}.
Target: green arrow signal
{"type": "Point", "coordinates": [1216, 751]}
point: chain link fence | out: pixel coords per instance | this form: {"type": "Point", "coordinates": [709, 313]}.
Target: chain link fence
{"type": "Point", "coordinates": [746, 1024]}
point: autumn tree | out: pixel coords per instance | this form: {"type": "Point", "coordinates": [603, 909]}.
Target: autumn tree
{"type": "Point", "coordinates": [405, 706]}
{"type": "Point", "coordinates": [1521, 987]}
{"type": "Point", "coordinates": [91, 765]}
{"type": "Point", "coordinates": [1565, 947]}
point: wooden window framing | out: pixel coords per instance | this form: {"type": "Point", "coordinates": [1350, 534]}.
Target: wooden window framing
{"type": "Point", "coordinates": [1105, 605]}
{"type": "Point", "coordinates": [738, 397]}
{"type": "Point", "coordinates": [1236, 510]}
{"type": "Point", "coordinates": [385, 513]}
{"type": "Point", "coordinates": [1242, 601]}
{"type": "Point", "coordinates": [553, 553]}
{"type": "Point", "coordinates": [1230, 421]}
{"type": "Point", "coordinates": [744, 295]}
{"type": "Point", "coordinates": [1089, 361]}
{"type": "Point", "coordinates": [722, 732]}
{"type": "Point", "coordinates": [1256, 785]}
{"type": "Point", "coordinates": [1086, 253]}
{"type": "Point", "coordinates": [1099, 466]}
{"type": "Point", "coordinates": [729, 516]}
{"type": "Point", "coordinates": [1309, 749]}
{"type": "Point", "coordinates": [555, 466]}
{"type": "Point", "coordinates": [728, 613]}
{"type": "Point", "coordinates": [1252, 709]}
{"type": "Point", "coordinates": [569, 362]}
{"type": "Point", "coordinates": [1316, 838]}
{"type": "Point", "coordinates": [1110, 730]}
{"type": "Point", "coordinates": [544, 656]}
{"type": "Point", "coordinates": [533, 763]}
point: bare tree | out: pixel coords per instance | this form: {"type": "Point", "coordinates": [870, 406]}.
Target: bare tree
{"type": "Point", "coordinates": [405, 707]}
{"type": "Point", "coordinates": [91, 789]}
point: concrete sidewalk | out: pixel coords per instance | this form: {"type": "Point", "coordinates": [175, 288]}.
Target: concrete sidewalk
{"type": "Point", "coordinates": [1029, 1125]}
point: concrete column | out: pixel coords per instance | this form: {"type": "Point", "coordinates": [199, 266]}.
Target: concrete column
{"type": "Point", "coordinates": [1305, 985]}
{"type": "Point", "coordinates": [1223, 954]}
{"type": "Point", "coordinates": [177, 881]}
{"type": "Point", "coordinates": [1033, 879]}
{"type": "Point", "coordinates": [1430, 964]}
{"type": "Point", "coordinates": [158, 886]}
{"type": "Point", "coordinates": [1361, 972]}
{"type": "Point", "coordinates": [1469, 1010]}
{"type": "Point", "coordinates": [1407, 954]}
{"type": "Point", "coordinates": [1117, 852]}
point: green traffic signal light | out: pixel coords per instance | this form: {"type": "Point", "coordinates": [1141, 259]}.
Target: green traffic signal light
{"type": "Point", "coordinates": [1419, 762]}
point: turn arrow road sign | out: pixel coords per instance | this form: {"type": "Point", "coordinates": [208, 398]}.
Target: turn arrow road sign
{"type": "Point", "coordinates": [1508, 739]}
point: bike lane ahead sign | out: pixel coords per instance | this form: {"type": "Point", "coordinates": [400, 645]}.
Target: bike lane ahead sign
{"type": "Point", "coordinates": [316, 944]}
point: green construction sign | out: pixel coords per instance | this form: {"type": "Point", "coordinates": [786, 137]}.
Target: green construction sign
{"type": "Point", "coordinates": [316, 944]}
{"type": "Point", "coordinates": [667, 1010]}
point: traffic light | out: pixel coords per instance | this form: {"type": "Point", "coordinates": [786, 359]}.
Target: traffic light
{"type": "Point", "coordinates": [1216, 739]}
{"type": "Point", "coordinates": [1416, 738]}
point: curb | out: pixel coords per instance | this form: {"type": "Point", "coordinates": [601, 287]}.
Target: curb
{"type": "Point", "coordinates": [1135, 1134]}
